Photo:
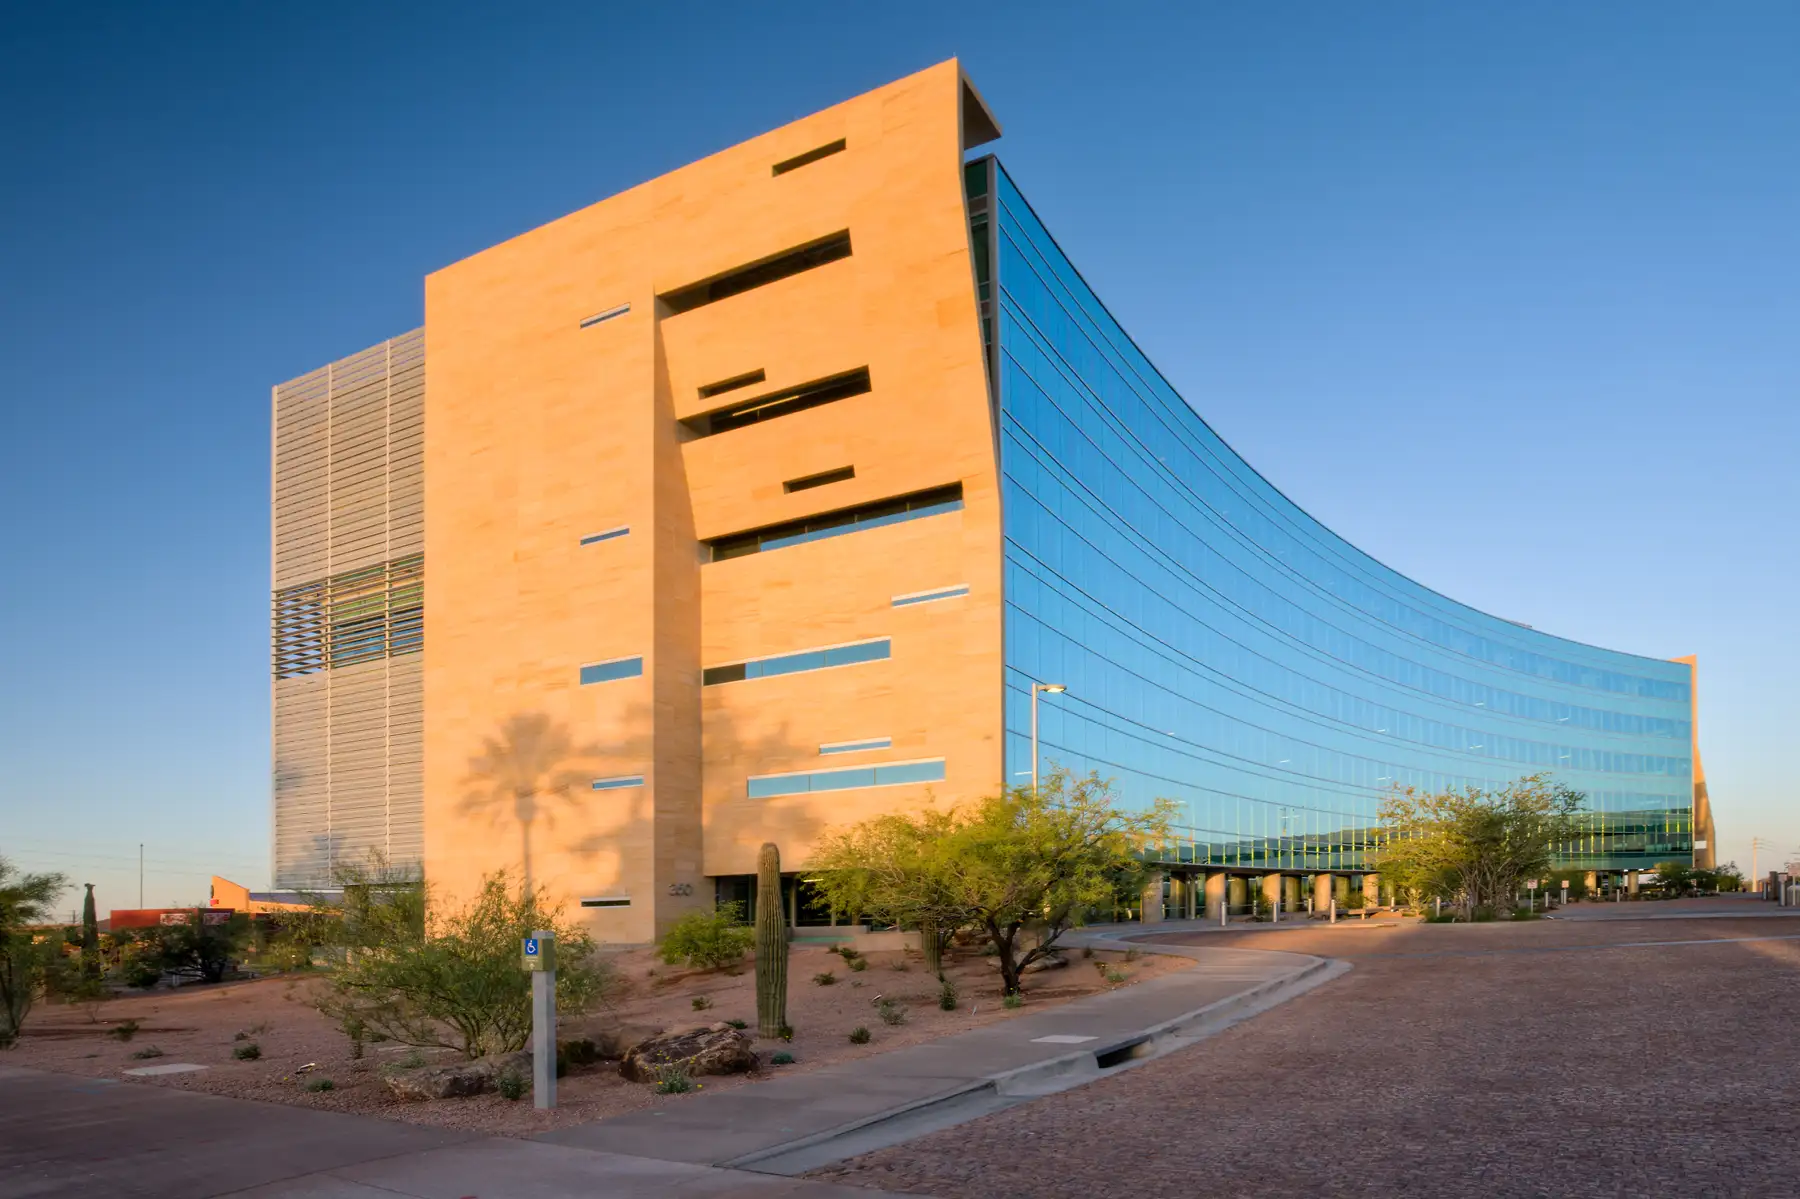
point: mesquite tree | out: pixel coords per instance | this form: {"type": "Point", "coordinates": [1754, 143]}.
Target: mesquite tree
{"type": "Point", "coordinates": [1023, 866]}
{"type": "Point", "coordinates": [1474, 847]}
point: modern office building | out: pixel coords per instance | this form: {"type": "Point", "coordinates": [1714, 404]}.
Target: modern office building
{"type": "Point", "coordinates": [752, 501]}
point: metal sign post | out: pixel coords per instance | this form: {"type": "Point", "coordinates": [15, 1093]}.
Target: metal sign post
{"type": "Point", "coordinates": [540, 960]}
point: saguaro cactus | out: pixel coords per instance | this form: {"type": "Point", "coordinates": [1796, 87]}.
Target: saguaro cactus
{"type": "Point", "coordinates": [771, 944]}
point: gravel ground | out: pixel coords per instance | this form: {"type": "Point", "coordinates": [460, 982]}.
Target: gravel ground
{"type": "Point", "coordinates": [1550, 1058]}
{"type": "Point", "coordinates": [202, 1025]}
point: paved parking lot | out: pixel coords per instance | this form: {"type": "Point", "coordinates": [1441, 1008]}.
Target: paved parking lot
{"type": "Point", "coordinates": [1617, 1057]}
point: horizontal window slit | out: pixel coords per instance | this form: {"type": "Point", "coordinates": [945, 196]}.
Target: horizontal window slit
{"type": "Point", "coordinates": [607, 901]}
{"type": "Point", "coordinates": [589, 322]}
{"type": "Point", "coordinates": [785, 402]}
{"type": "Point", "coordinates": [807, 482]}
{"type": "Point", "coordinates": [757, 274]}
{"type": "Point", "coordinates": [606, 535]}
{"type": "Point", "coordinates": [887, 774]}
{"type": "Point", "coordinates": [811, 156]}
{"type": "Point", "coordinates": [619, 783]}
{"type": "Point", "coordinates": [852, 747]}
{"type": "Point", "coordinates": [876, 650]}
{"type": "Point", "coordinates": [926, 597]}
{"type": "Point", "coordinates": [833, 524]}
{"type": "Point", "coordinates": [606, 672]}
{"type": "Point", "coordinates": [732, 384]}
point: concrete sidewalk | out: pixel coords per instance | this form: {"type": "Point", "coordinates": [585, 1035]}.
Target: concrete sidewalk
{"type": "Point", "coordinates": [66, 1136]}
{"type": "Point", "coordinates": [798, 1122]}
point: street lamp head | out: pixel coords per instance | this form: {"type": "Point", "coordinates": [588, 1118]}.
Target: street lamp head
{"type": "Point", "coordinates": [1051, 688]}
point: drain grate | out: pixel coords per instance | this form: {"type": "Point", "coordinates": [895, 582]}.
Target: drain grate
{"type": "Point", "coordinates": [1118, 1055]}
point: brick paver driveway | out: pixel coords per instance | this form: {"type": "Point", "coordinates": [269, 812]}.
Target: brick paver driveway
{"type": "Point", "coordinates": [1606, 1058]}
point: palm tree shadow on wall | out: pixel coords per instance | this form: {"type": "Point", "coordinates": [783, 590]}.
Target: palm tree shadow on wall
{"type": "Point", "coordinates": [526, 770]}
{"type": "Point", "coordinates": [531, 768]}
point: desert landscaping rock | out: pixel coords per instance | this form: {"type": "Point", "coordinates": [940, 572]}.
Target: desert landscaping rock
{"type": "Point", "coordinates": [715, 1049]}
{"type": "Point", "coordinates": [454, 1080]}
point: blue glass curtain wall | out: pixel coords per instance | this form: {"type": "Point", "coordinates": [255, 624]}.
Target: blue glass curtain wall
{"type": "Point", "coordinates": [1223, 649]}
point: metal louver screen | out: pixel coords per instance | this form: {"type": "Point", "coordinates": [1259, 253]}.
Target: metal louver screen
{"type": "Point", "coordinates": [358, 616]}
{"type": "Point", "coordinates": [348, 613]}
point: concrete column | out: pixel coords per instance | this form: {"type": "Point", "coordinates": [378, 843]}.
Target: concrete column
{"type": "Point", "coordinates": [1321, 894]}
{"type": "Point", "coordinates": [1631, 882]}
{"type": "Point", "coordinates": [1150, 908]}
{"type": "Point", "coordinates": [1238, 891]}
{"type": "Point", "coordinates": [1271, 891]}
{"type": "Point", "coordinates": [1290, 895]}
{"type": "Point", "coordinates": [1340, 885]}
{"type": "Point", "coordinates": [1593, 882]}
{"type": "Point", "coordinates": [1190, 896]}
{"type": "Point", "coordinates": [1215, 894]}
{"type": "Point", "coordinates": [1388, 897]}
{"type": "Point", "coordinates": [1372, 890]}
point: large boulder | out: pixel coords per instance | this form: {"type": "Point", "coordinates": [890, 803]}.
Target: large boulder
{"type": "Point", "coordinates": [715, 1049]}
{"type": "Point", "coordinates": [451, 1080]}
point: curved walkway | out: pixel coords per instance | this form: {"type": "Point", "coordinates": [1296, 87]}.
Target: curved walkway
{"type": "Point", "coordinates": [803, 1121]}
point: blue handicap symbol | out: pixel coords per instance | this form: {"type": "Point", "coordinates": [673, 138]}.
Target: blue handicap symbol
{"type": "Point", "coordinates": [531, 946]}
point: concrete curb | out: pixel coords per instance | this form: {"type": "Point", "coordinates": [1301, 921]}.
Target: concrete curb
{"type": "Point", "coordinates": [1009, 1088]}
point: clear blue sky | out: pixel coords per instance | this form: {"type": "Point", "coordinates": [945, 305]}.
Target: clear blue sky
{"type": "Point", "coordinates": [1506, 294]}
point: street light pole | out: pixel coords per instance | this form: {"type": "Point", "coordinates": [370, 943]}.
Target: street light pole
{"type": "Point", "coordinates": [1048, 689]}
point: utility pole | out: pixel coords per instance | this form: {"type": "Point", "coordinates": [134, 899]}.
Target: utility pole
{"type": "Point", "coordinates": [1756, 843]}
{"type": "Point", "coordinates": [140, 875]}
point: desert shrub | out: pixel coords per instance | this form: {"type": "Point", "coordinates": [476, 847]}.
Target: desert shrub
{"type": "Point", "coordinates": [947, 996]}
{"type": "Point", "coordinates": [1115, 977]}
{"type": "Point", "coordinates": [858, 964]}
{"type": "Point", "coordinates": [147, 1052]}
{"type": "Point", "coordinates": [782, 1058]}
{"type": "Point", "coordinates": [512, 1085]}
{"type": "Point", "coordinates": [1012, 999]}
{"type": "Point", "coordinates": [899, 966]}
{"type": "Point", "coordinates": [859, 1035]}
{"type": "Point", "coordinates": [825, 978]}
{"type": "Point", "coordinates": [200, 949]}
{"type": "Point", "coordinates": [892, 1011]}
{"type": "Point", "coordinates": [412, 1061]}
{"type": "Point", "coordinates": [709, 940]}
{"type": "Point", "coordinates": [786, 1032]}
{"type": "Point", "coordinates": [702, 1002]}
{"type": "Point", "coordinates": [673, 1080]}
{"type": "Point", "coordinates": [320, 1084]}
{"type": "Point", "coordinates": [249, 1051]}
{"type": "Point", "coordinates": [25, 965]}
{"type": "Point", "coordinates": [453, 981]}
{"type": "Point", "coordinates": [124, 1030]}
{"type": "Point", "coordinates": [737, 1024]}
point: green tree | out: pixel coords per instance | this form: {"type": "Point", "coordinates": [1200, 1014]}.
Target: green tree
{"type": "Point", "coordinates": [453, 978]}
{"type": "Point", "coordinates": [201, 949]}
{"type": "Point", "coordinates": [25, 961]}
{"type": "Point", "coordinates": [1674, 878]}
{"type": "Point", "coordinates": [1023, 866]}
{"type": "Point", "coordinates": [1475, 846]}
{"type": "Point", "coordinates": [890, 868]}
{"type": "Point", "coordinates": [90, 935]}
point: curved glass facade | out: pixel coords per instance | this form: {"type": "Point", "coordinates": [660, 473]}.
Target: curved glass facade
{"type": "Point", "coordinates": [1224, 649]}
